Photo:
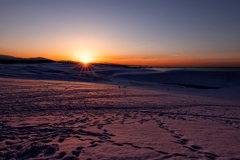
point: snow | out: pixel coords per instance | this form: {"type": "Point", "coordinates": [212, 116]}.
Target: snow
{"type": "Point", "coordinates": [64, 111]}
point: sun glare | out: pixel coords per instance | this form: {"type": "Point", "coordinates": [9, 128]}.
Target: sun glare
{"type": "Point", "coordinates": [85, 61]}
{"type": "Point", "coordinates": [85, 57]}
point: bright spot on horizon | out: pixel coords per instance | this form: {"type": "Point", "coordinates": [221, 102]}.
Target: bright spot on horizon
{"type": "Point", "coordinates": [85, 61]}
{"type": "Point", "coordinates": [84, 57]}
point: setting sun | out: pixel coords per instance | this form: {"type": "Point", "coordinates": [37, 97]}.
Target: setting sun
{"type": "Point", "coordinates": [85, 61]}
{"type": "Point", "coordinates": [84, 57]}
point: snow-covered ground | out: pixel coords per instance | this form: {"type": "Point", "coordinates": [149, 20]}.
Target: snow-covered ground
{"type": "Point", "coordinates": [64, 111]}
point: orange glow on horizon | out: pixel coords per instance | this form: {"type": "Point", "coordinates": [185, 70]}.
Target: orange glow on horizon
{"type": "Point", "coordinates": [88, 56]}
{"type": "Point", "coordinates": [172, 62]}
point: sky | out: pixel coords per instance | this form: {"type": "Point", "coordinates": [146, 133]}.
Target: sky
{"type": "Point", "coordinates": [204, 33]}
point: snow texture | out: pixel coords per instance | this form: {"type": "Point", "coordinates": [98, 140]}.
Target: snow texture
{"type": "Point", "coordinates": [117, 113]}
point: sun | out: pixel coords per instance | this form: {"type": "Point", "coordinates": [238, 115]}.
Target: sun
{"type": "Point", "coordinates": [85, 61]}
{"type": "Point", "coordinates": [84, 57]}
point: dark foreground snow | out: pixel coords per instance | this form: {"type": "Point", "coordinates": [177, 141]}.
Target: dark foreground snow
{"type": "Point", "coordinates": [42, 119]}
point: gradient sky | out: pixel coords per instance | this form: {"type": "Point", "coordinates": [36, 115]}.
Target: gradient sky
{"type": "Point", "coordinates": [138, 32]}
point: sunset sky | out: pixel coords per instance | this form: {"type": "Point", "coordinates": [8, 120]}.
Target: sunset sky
{"type": "Point", "coordinates": [133, 32]}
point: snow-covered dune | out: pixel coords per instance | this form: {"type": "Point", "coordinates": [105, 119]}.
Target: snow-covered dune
{"type": "Point", "coordinates": [173, 80]}
{"type": "Point", "coordinates": [96, 73]}
{"type": "Point", "coordinates": [221, 84]}
{"type": "Point", "coordinates": [70, 112]}
{"type": "Point", "coordinates": [197, 79]}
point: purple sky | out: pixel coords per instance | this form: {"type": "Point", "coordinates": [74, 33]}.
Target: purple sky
{"type": "Point", "coordinates": [112, 30]}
